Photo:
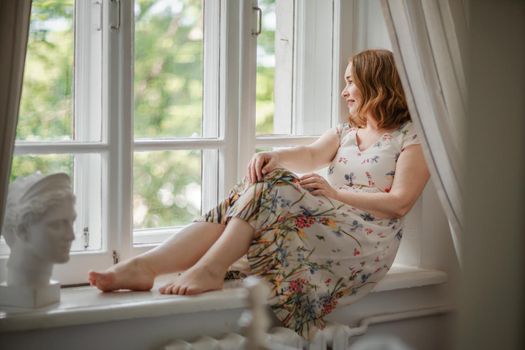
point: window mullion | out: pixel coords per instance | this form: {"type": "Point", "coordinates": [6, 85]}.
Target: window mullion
{"type": "Point", "coordinates": [159, 145]}
{"type": "Point", "coordinates": [88, 72]}
{"type": "Point", "coordinates": [313, 66]}
{"type": "Point", "coordinates": [228, 94]}
{"type": "Point", "coordinates": [118, 100]}
{"type": "Point", "coordinates": [247, 97]}
{"type": "Point", "coordinates": [270, 141]}
{"type": "Point", "coordinates": [58, 147]}
{"type": "Point", "coordinates": [284, 51]}
{"type": "Point", "coordinates": [209, 158]}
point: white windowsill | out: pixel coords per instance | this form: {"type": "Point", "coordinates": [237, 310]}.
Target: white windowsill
{"type": "Point", "coordinates": [86, 305]}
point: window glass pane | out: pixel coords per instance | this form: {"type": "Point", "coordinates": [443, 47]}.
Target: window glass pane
{"type": "Point", "coordinates": [313, 67]}
{"type": "Point", "coordinates": [168, 68]}
{"type": "Point", "coordinates": [46, 106]}
{"type": "Point", "coordinates": [25, 165]}
{"type": "Point", "coordinates": [88, 190]}
{"type": "Point", "coordinates": [167, 188]}
{"type": "Point", "coordinates": [294, 67]}
{"type": "Point", "coordinates": [265, 105]}
{"type": "Point", "coordinates": [88, 122]}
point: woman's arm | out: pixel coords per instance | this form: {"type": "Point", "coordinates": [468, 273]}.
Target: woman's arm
{"type": "Point", "coordinates": [300, 159]}
{"type": "Point", "coordinates": [311, 157]}
{"type": "Point", "coordinates": [409, 181]}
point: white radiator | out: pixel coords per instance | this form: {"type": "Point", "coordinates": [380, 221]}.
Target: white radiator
{"type": "Point", "coordinates": [255, 324]}
{"type": "Point", "coordinates": [334, 337]}
{"type": "Point", "coordinates": [279, 339]}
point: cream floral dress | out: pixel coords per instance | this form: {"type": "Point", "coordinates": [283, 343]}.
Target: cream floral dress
{"type": "Point", "coordinates": [313, 250]}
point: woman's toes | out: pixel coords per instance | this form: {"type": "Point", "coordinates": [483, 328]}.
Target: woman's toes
{"type": "Point", "coordinates": [92, 276]}
{"type": "Point", "coordinates": [169, 289]}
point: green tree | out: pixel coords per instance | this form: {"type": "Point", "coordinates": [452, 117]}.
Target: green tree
{"type": "Point", "coordinates": [46, 107]}
{"type": "Point", "coordinates": [265, 74]}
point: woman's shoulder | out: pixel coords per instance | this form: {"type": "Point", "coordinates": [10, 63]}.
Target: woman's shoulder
{"type": "Point", "coordinates": [344, 128]}
{"type": "Point", "coordinates": [407, 134]}
{"type": "Point", "coordinates": [344, 132]}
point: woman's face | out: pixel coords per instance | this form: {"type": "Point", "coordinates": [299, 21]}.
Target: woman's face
{"type": "Point", "coordinates": [50, 237]}
{"type": "Point", "coordinates": [351, 93]}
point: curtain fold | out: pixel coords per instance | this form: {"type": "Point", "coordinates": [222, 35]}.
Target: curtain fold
{"type": "Point", "coordinates": [14, 29]}
{"type": "Point", "coordinates": [428, 48]}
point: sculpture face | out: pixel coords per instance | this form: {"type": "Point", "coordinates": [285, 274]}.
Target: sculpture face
{"type": "Point", "coordinates": [50, 237]}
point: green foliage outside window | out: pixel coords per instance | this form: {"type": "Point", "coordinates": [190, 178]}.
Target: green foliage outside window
{"type": "Point", "coordinates": [46, 107]}
{"type": "Point", "coordinates": [168, 68]}
{"type": "Point", "coordinates": [168, 93]}
{"type": "Point", "coordinates": [265, 69]}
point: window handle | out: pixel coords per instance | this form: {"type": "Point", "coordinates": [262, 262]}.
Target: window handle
{"type": "Point", "coordinates": [85, 234]}
{"type": "Point", "coordinates": [99, 24]}
{"type": "Point", "coordinates": [116, 27]}
{"type": "Point", "coordinates": [259, 20]}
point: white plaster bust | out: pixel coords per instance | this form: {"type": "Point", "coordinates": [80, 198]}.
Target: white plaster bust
{"type": "Point", "coordinates": [38, 227]}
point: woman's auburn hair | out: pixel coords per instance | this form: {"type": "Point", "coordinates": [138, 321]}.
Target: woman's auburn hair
{"type": "Point", "coordinates": [375, 75]}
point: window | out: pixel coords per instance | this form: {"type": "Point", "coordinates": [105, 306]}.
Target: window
{"type": "Point", "coordinates": [154, 107]}
{"type": "Point", "coordinates": [172, 84]}
{"type": "Point", "coordinates": [59, 128]}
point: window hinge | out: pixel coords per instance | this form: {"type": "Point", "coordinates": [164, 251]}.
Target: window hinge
{"type": "Point", "coordinates": [99, 24]}
{"type": "Point", "coordinates": [116, 258]}
{"type": "Point", "coordinates": [117, 4]}
{"type": "Point", "coordinates": [85, 235]}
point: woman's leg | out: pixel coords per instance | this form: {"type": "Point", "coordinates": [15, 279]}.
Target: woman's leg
{"type": "Point", "coordinates": [208, 273]}
{"type": "Point", "coordinates": [178, 253]}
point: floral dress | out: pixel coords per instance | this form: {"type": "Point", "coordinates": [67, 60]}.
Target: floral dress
{"type": "Point", "coordinates": [313, 250]}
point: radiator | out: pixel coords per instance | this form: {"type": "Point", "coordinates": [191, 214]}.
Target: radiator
{"type": "Point", "coordinates": [255, 324]}
{"type": "Point", "coordinates": [278, 338]}
{"type": "Point", "coordinates": [334, 337]}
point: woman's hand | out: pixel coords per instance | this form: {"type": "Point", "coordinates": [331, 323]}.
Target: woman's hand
{"type": "Point", "coordinates": [260, 164]}
{"type": "Point", "coordinates": [317, 185]}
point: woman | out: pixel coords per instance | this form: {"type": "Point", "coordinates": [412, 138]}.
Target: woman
{"type": "Point", "coordinates": [314, 240]}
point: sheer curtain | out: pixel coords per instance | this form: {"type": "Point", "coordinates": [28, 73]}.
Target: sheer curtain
{"type": "Point", "coordinates": [14, 28]}
{"type": "Point", "coordinates": [428, 41]}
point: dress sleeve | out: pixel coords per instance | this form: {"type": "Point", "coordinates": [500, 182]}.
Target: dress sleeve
{"type": "Point", "coordinates": [342, 129]}
{"type": "Point", "coordinates": [408, 136]}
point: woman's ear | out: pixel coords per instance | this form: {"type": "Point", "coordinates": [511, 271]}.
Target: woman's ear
{"type": "Point", "coordinates": [22, 233]}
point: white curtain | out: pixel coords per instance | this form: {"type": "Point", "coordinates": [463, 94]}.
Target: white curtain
{"type": "Point", "coordinates": [428, 40]}
{"type": "Point", "coordinates": [14, 28]}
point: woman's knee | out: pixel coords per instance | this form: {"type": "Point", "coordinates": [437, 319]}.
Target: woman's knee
{"type": "Point", "coordinates": [277, 177]}
{"type": "Point", "coordinates": [281, 174]}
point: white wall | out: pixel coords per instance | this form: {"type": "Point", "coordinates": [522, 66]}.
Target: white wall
{"type": "Point", "coordinates": [372, 32]}
{"type": "Point", "coordinates": [425, 333]}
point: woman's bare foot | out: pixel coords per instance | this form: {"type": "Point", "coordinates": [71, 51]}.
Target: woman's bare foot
{"type": "Point", "coordinates": [196, 280]}
{"type": "Point", "coordinates": [132, 274]}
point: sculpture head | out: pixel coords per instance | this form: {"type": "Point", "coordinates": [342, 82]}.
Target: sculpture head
{"type": "Point", "coordinates": [39, 218]}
